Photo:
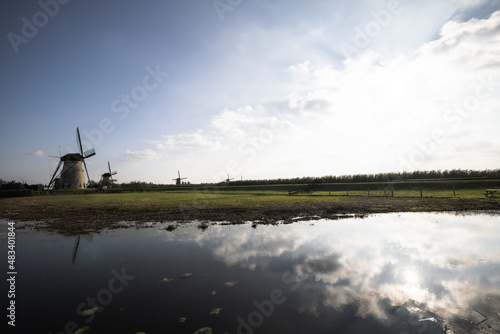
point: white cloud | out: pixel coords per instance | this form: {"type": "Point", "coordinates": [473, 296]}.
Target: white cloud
{"type": "Point", "coordinates": [469, 45]}
{"type": "Point", "coordinates": [246, 122]}
{"type": "Point", "coordinates": [382, 108]}
{"type": "Point", "coordinates": [367, 114]}
{"type": "Point", "coordinates": [188, 142]}
{"type": "Point", "coordinates": [137, 156]}
{"type": "Point", "coordinates": [38, 153]}
{"type": "Point", "coordinates": [467, 4]}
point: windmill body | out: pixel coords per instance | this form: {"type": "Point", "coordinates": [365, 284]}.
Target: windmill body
{"type": "Point", "coordinates": [107, 180]}
{"type": "Point", "coordinates": [71, 176]}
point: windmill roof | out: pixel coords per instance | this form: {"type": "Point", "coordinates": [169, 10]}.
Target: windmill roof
{"type": "Point", "coordinates": [72, 157]}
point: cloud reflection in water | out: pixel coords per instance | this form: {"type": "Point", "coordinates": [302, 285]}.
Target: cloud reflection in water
{"type": "Point", "coordinates": [409, 272]}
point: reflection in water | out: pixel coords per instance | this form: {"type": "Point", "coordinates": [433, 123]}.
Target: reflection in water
{"type": "Point", "coordinates": [406, 273]}
{"type": "Point", "coordinates": [75, 249]}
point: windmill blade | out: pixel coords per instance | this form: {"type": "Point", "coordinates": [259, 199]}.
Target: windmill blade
{"type": "Point", "coordinates": [179, 174]}
{"type": "Point", "coordinates": [109, 168]}
{"type": "Point", "coordinates": [89, 153]}
{"type": "Point", "coordinates": [53, 176]}
{"type": "Point", "coordinates": [86, 171]}
{"type": "Point", "coordinates": [79, 141]}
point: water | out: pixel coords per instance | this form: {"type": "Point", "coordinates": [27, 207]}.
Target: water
{"type": "Point", "coordinates": [392, 273]}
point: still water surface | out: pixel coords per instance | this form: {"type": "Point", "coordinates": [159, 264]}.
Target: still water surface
{"type": "Point", "coordinates": [391, 273]}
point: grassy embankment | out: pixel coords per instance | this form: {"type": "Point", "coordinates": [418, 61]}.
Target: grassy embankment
{"type": "Point", "coordinates": [267, 204]}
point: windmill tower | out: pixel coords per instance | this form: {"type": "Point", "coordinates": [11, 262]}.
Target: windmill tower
{"type": "Point", "coordinates": [228, 179]}
{"type": "Point", "coordinates": [178, 180]}
{"type": "Point", "coordinates": [71, 176]}
{"type": "Point", "coordinates": [107, 178]}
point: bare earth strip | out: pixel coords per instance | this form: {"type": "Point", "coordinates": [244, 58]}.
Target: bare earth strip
{"type": "Point", "coordinates": [80, 213]}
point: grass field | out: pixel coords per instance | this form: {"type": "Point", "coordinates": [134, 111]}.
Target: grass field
{"type": "Point", "coordinates": [463, 189]}
{"type": "Point", "coordinates": [89, 210]}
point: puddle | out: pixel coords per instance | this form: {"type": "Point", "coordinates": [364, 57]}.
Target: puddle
{"type": "Point", "coordinates": [391, 273]}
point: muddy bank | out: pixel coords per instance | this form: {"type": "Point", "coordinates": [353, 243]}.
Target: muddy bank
{"type": "Point", "coordinates": [69, 218]}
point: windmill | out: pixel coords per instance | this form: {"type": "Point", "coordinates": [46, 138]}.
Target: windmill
{"type": "Point", "coordinates": [107, 178]}
{"type": "Point", "coordinates": [178, 180]}
{"type": "Point", "coordinates": [71, 176]}
{"type": "Point", "coordinates": [228, 179]}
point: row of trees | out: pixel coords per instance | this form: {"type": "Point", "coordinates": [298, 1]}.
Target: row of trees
{"type": "Point", "coordinates": [384, 177]}
{"type": "Point", "coordinates": [380, 177]}
{"type": "Point", "coordinates": [14, 185]}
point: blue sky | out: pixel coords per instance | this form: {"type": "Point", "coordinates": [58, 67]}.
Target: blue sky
{"type": "Point", "coordinates": [257, 89]}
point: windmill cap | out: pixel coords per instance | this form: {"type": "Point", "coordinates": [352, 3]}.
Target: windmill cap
{"type": "Point", "coordinates": [72, 157]}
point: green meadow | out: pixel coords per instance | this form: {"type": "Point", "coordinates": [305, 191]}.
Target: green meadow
{"type": "Point", "coordinates": [90, 209]}
{"type": "Point", "coordinates": [463, 189]}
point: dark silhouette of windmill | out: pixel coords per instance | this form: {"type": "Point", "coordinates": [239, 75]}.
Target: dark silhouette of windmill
{"type": "Point", "coordinates": [107, 178]}
{"type": "Point", "coordinates": [71, 175]}
{"type": "Point", "coordinates": [228, 179]}
{"type": "Point", "coordinates": [178, 181]}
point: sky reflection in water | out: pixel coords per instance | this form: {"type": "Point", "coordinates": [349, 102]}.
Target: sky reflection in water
{"type": "Point", "coordinates": [394, 273]}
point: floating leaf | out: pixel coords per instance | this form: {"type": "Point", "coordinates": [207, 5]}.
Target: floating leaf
{"type": "Point", "coordinates": [186, 275]}
{"type": "Point", "coordinates": [204, 330]}
{"type": "Point", "coordinates": [216, 311]}
{"type": "Point", "coordinates": [82, 330]}
{"type": "Point", "coordinates": [90, 311]}
{"type": "Point", "coordinates": [213, 292]}
{"type": "Point", "coordinates": [182, 319]}
{"type": "Point", "coordinates": [166, 280]}
{"type": "Point", "coordinates": [230, 284]}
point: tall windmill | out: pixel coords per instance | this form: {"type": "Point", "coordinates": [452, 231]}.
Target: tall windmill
{"type": "Point", "coordinates": [228, 179]}
{"type": "Point", "coordinates": [107, 178]}
{"type": "Point", "coordinates": [71, 175]}
{"type": "Point", "coordinates": [178, 180]}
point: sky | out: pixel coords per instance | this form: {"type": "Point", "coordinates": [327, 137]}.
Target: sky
{"type": "Point", "coordinates": [257, 89]}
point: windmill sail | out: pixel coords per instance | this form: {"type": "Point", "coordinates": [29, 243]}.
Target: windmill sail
{"type": "Point", "coordinates": [89, 153]}
{"type": "Point", "coordinates": [54, 176]}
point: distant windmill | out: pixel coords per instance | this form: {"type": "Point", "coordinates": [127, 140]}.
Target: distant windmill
{"type": "Point", "coordinates": [71, 176]}
{"type": "Point", "coordinates": [107, 178]}
{"type": "Point", "coordinates": [178, 180]}
{"type": "Point", "coordinates": [228, 179]}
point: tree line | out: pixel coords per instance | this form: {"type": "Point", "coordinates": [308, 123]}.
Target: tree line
{"type": "Point", "coordinates": [453, 174]}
